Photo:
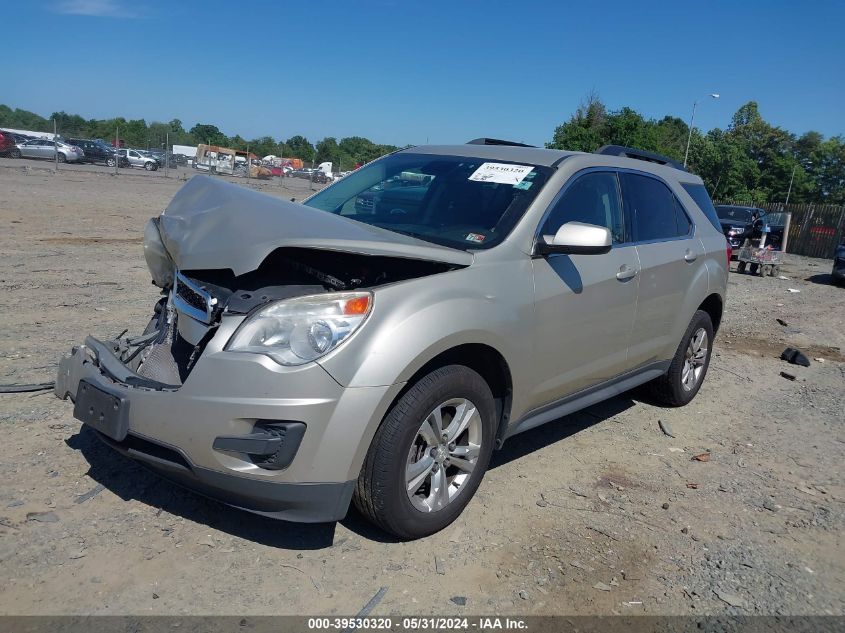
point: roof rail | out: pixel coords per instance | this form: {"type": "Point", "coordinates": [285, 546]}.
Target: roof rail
{"type": "Point", "coordinates": [496, 141]}
{"type": "Point", "coordinates": [639, 154]}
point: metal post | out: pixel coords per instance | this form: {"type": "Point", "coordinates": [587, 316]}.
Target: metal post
{"type": "Point", "coordinates": [166, 152]}
{"type": "Point", "coordinates": [248, 162]}
{"type": "Point", "coordinates": [55, 145]}
{"type": "Point", "coordinates": [689, 136]}
{"type": "Point", "coordinates": [791, 178]}
{"type": "Point", "coordinates": [116, 148]}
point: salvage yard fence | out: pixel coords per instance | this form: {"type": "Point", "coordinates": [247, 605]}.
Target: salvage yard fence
{"type": "Point", "coordinates": [815, 229]}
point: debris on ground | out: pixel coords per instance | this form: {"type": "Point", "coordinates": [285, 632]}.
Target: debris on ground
{"type": "Point", "coordinates": [788, 376]}
{"type": "Point", "coordinates": [793, 290]}
{"type": "Point", "coordinates": [701, 457]}
{"type": "Point", "coordinates": [730, 598]}
{"type": "Point", "coordinates": [601, 586]}
{"type": "Point", "coordinates": [523, 594]}
{"type": "Point", "coordinates": [91, 493]}
{"type": "Point", "coordinates": [42, 517]}
{"type": "Point", "coordinates": [782, 322]}
{"type": "Point", "coordinates": [692, 486]}
{"type": "Point", "coordinates": [794, 357]}
{"type": "Point", "coordinates": [461, 601]}
{"type": "Point", "coordinates": [664, 426]}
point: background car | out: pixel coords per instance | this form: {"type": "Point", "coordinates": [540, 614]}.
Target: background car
{"type": "Point", "coordinates": [45, 148]}
{"type": "Point", "coordinates": [838, 272]}
{"type": "Point", "coordinates": [97, 151]}
{"type": "Point", "coordinates": [737, 222]}
{"type": "Point", "coordinates": [137, 159]}
{"type": "Point", "coordinates": [8, 145]}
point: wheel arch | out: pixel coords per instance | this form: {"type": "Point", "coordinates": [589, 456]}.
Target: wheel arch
{"type": "Point", "coordinates": [714, 306]}
{"type": "Point", "coordinates": [485, 360]}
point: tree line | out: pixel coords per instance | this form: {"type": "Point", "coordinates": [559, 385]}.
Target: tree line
{"type": "Point", "coordinates": [752, 160]}
{"type": "Point", "coordinates": [345, 153]}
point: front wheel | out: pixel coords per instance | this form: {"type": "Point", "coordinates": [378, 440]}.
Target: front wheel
{"type": "Point", "coordinates": [682, 381]}
{"type": "Point", "coordinates": [429, 455]}
{"type": "Point", "coordinates": [15, 153]}
{"type": "Point", "coordinates": [150, 166]}
{"type": "Point", "coordinates": [110, 162]}
{"type": "Point", "coordinates": [62, 158]}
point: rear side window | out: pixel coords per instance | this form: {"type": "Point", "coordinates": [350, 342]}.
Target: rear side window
{"type": "Point", "coordinates": [654, 211]}
{"type": "Point", "coordinates": [702, 199]}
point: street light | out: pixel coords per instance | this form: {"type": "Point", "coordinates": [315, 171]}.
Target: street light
{"type": "Point", "coordinates": [791, 178]}
{"type": "Point", "coordinates": [713, 95]}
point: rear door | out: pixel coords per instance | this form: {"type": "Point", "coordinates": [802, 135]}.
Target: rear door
{"type": "Point", "coordinates": [584, 304]}
{"type": "Point", "coordinates": [669, 256]}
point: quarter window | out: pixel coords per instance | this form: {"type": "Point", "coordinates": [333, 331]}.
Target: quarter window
{"type": "Point", "coordinates": [656, 214]}
{"type": "Point", "coordinates": [593, 199]}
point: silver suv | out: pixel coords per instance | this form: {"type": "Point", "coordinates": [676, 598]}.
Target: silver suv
{"type": "Point", "coordinates": [303, 356]}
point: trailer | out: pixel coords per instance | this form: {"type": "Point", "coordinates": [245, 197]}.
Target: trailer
{"type": "Point", "coordinates": [233, 162]}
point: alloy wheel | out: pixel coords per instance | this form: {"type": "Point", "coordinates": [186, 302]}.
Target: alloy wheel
{"type": "Point", "coordinates": [694, 359]}
{"type": "Point", "coordinates": [443, 454]}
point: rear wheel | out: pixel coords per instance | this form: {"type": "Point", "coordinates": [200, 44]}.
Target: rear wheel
{"type": "Point", "coordinates": [740, 267]}
{"type": "Point", "coordinates": [15, 153]}
{"type": "Point", "coordinates": [150, 166]}
{"type": "Point", "coordinates": [429, 455]}
{"type": "Point", "coordinates": [682, 381]}
{"type": "Point", "coordinates": [110, 162]}
{"type": "Point", "coordinates": [62, 158]}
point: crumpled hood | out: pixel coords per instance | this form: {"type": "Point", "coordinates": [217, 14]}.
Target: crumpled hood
{"type": "Point", "coordinates": [212, 224]}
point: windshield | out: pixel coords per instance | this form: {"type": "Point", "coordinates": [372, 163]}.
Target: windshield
{"type": "Point", "coordinates": [740, 214]}
{"type": "Point", "coordinates": [455, 201]}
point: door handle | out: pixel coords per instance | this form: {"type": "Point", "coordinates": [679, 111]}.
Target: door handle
{"type": "Point", "coordinates": [626, 272]}
{"type": "Point", "coordinates": [689, 256]}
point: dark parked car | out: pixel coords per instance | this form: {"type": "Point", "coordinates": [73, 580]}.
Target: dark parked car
{"type": "Point", "coordinates": [838, 272]}
{"type": "Point", "coordinates": [8, 146]}
{"type": "Point", "coordinates": [740, 223]}
{"type": "Point", "coordinates": [97, 151]}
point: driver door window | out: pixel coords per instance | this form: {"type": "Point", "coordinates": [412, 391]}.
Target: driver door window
{"type": "Point", "coordinates": [593, 199]}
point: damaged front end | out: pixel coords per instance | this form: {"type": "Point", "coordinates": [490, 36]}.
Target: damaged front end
{"type": "Point", "coordinates": [255, 275]}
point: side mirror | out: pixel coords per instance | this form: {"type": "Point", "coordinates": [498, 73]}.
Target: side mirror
{"type": "Point", "coordinates": [576, 238]}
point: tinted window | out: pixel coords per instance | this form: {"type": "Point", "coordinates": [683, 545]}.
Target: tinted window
{"type": "Point", "coordinates": [655, 212]}
{"type": "Point", "coordinates": [594, 199]}
{"type": "Point", "coordinates": [702, 199]}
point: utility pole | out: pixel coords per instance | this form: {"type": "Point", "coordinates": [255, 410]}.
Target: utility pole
{"type": "Point", "coordinates": [116, 148]}
{"type": "Point", "coordinates": [166, 153]}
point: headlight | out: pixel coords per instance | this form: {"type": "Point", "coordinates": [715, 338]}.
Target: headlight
{"type": "Point", "coordinates": [158, 260]}
{"type": "Point", "coordinates": [734, 231]}
{"type": "Point", "coordinates": [297, 331]}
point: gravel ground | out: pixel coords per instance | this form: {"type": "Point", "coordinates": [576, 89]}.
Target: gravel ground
{"type": "Point", "coordinates": [597, 513]}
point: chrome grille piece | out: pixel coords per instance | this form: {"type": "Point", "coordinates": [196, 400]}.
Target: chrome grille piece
{"type": "Point", "coordinates": [192, 300]}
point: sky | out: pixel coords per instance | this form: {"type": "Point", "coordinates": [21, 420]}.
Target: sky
{"type": "Point", "coordinates": [412, 72]}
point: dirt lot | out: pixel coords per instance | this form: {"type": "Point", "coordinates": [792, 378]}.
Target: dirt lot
{"type": "Point", "coordinates": [597, 513]}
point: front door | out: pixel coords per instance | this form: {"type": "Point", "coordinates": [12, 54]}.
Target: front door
{"type": "Point", "coordinates": [585, 305]}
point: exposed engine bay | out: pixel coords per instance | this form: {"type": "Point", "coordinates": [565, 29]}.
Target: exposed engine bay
{"type": "Point", "coordinates": [190, 310]}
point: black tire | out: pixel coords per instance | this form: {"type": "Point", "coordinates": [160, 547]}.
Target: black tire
{"type": "Point", "coordinates": [62, 158]}
{"type": "Point", "coordinates": [753, 268]}
{"type": "Point", "coordinates": [150, 166]}
{"type": "Point", "coordinates": [15, 153]}
{"type": "Point", "coordinates": [380, 494]}
{"type": "Point", "coordinates": [775, 271]}
{"type": "Point", "coordinates": [110, 162]}
{"type": "Point", "coordinates": [740, 267]}
{"type": "Point", "coordinates": [669, 389]}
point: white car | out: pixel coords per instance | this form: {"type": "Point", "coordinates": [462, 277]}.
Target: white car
{"type": "Point", "coordinates": [137, 159]}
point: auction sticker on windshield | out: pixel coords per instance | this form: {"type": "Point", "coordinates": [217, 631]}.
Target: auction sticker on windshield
{"type": "Point", "coordinates": [501, 173]}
